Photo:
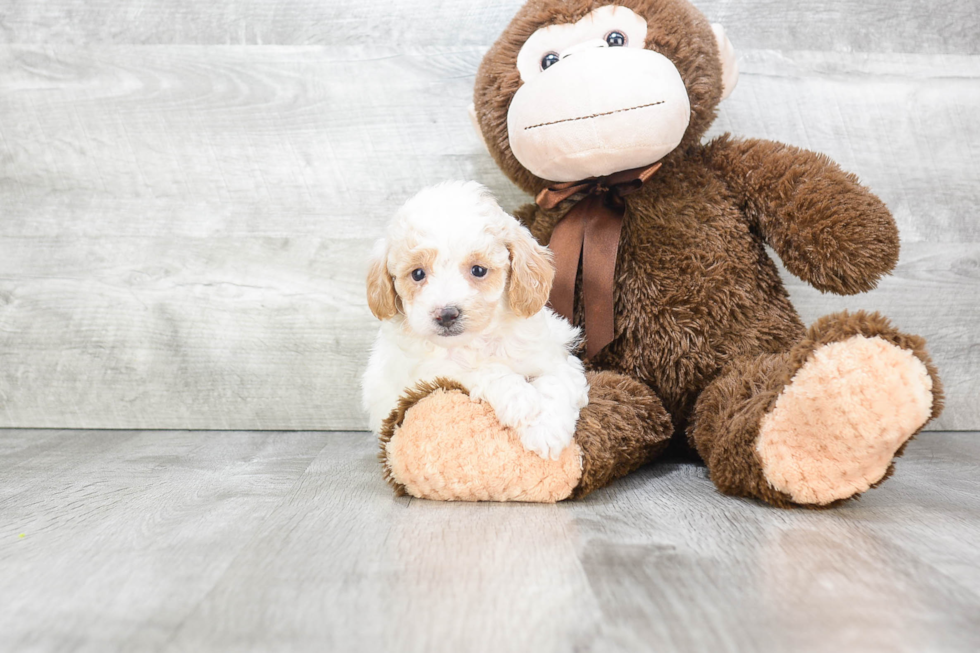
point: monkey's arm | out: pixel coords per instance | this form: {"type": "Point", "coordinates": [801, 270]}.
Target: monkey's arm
{"type": "Point", "coordinates": [828, 229]}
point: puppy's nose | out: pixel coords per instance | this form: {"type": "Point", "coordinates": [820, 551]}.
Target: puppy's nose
{"type": "Point", "coordinates": [447, 316]}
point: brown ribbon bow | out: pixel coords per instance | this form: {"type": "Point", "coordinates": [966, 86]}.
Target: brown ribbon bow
{"type": "Point", "coordinates": [590, 230]}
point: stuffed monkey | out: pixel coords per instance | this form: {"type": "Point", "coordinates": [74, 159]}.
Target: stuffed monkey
{"type": "Point", "coordinates": [598, 110]}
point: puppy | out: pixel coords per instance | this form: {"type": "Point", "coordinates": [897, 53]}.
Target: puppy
{"type": "Point", "coordinates": [461, 287]}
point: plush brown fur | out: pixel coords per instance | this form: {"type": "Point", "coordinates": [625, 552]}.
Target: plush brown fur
{"type": "Point", "coordinates": [702, 317]}
{"type": "Point", "coordinates": [623, 427]}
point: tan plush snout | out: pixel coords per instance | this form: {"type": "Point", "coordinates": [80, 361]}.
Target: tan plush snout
{"type": "Point", "coordinates": [633, 111]}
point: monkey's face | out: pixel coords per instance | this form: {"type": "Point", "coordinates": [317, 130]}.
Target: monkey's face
{"type": "Point", "coordinates": [594, 100]}
{"type": "Point", "coordinates": [572, 90]}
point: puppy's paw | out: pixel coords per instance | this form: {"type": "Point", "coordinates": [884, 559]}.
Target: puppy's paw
{"type": "Point", "coordinates": [569, 388]}
{"type": "Point", "coordinates": [515, 401]}
{"type": "Point", "coordinates": [551, 432]}
{"type": "Point", "coordinates": [580, 397]}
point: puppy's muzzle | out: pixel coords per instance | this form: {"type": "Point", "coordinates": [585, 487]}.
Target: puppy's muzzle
{"type": "Point", "coordinates": [448, 320]}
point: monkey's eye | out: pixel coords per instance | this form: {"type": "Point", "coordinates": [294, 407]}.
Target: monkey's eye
{"type": "Point", "coordinates": [616, 39]}
{"type": "Point", "coordinates": [478, 271]}
{"type": "Point", "coordinates": [418, 274]}
{"type": "Point", "coordinates": [549, 60]}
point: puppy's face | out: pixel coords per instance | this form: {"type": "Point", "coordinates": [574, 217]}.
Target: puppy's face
{"type": "Point", "coordinates": [453, 263]}
{"type": "Point", "coordinates": [451, 290]}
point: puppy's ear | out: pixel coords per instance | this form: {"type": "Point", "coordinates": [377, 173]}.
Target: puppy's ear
{"type": "Point", "coordinates": [381, 296]}
{"type": "Point", "coordinates": [531, 273]}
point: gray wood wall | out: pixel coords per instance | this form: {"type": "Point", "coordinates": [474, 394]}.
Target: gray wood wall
{"type": "Point", "coordinates": [188, 189]}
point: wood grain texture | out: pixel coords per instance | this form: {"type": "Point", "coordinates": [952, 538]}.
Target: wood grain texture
{"type": "Point", "coordinates": [944, 26]}
{"type": "Point", "coordinates": [184, 541]}
{"type": "Point", "coordinates": [185, 228]}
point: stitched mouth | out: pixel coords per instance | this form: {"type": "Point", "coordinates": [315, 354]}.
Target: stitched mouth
{"type": "Point", "coordinates": [594, 115]}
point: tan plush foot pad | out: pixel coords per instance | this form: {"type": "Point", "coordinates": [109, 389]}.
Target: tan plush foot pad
{"type": "Point", "coordinates": [447, 447]}
{"type": "Point", "coordinates": [836, 427]}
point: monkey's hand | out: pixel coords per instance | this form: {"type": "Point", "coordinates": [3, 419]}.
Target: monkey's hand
{"type": "Point", "coordinates": [828, 229]}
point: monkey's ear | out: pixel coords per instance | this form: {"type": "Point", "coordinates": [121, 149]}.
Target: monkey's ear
{"type": "Point", "coordinates": [381, 296]}
{"type": "Point", "coordinates": [476, 125]}
{"type": "Point", "coordinates": [729, 67]}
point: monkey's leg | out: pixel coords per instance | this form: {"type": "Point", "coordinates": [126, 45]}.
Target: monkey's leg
{"type": "Point", "coordinates": [821, 422]}
{"type": "Point", "coordinates": [624, 426]}
{"type": "Point", "coordinates": [441, 445]}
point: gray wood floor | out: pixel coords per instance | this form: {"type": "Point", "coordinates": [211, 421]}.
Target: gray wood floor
{"type": "Point", "coordinates": [270, 541]}
{"type": "Point", "coordinates": [189, 189]}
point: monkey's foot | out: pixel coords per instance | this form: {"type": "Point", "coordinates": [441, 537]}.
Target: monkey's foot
{"type": "Point", "coordinates": [439, 444]}
{"type": "Point", "coordinates": [842, 418]}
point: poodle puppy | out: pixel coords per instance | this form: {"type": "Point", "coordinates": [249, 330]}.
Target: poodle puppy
{"type": "Point", "coordinates": [460, 287]}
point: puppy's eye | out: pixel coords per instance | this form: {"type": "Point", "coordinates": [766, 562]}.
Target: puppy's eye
{"type": "Point", "coordinates": [478, 271]}
{"type": "Point", "coordinates": [418, 274]}
{"type": "Point", "coordinates": [615, 39]}
{"type": "Point", "coordinates": [549, 60]}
